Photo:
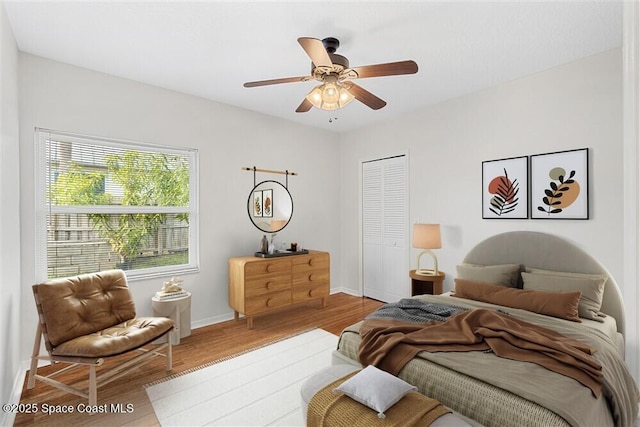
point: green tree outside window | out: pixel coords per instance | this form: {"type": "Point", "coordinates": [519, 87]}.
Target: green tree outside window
{"type": "Point", "coordinates": [146, 179]}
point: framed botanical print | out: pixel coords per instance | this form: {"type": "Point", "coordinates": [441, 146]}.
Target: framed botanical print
{"type": "Point", "coordinates": [504, 188]}
{"type": "Point", "coordinates": [560, 185]}
{"type": "Point", "coordinates": [257, 203]}
{"type": "Point", "coordinates": [267, 203]}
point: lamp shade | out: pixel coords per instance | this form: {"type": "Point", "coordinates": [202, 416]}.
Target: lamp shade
{"type": "Point", "coordinates": [426, 236]}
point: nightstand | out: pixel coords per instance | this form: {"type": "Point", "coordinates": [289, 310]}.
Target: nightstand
{"type": "Point", "coordinates": [423, 284]}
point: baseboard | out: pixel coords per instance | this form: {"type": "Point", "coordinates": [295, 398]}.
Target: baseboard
{"type": "Point", "coordinates": [211, 321]}
{"type": "Point", "coordinates": [8, 418]}
{"type": "Point", "coordinates": [347, 291]}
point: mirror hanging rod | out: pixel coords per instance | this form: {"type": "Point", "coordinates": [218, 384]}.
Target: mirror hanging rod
{"type": "Point", "coordinates": [254, 169]}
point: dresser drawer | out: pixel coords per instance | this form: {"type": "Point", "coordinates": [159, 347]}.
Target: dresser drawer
{"type": "Point", "coordinates": [260, 285]}
{"type": "Point", "coordinates": [310, 276]}
{"type": "Point", "coordinates": [310, 262]}
{"type": "Point", "coordinates": [266, 267]}
{"type": "Point", "coordinates": [310, 291]}
{"type": "Point", "coordinates": [267, 302]}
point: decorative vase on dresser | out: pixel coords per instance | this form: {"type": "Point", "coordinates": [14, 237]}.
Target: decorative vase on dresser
{"type": "Point", "coordinates": [259, 285]}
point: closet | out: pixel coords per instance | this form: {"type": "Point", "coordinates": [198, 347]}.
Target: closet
{"type": "Point", "coordinates": [385, 242]}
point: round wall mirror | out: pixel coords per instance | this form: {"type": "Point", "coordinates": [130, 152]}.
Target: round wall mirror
{"type": "Point", "coordinates": [270, 206]}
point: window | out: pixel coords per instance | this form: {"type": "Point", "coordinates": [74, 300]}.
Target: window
{"type": "Point", "coordinates": [105, 204]}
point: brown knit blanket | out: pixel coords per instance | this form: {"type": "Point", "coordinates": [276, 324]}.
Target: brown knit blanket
{"type": "Point", "coordinates": [327, 409]}
{"type": "Point", "coordinates": [389, 344]}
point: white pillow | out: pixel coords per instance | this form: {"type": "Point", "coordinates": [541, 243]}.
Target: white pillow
{"type": "Point", "coordinates": [375, 388]}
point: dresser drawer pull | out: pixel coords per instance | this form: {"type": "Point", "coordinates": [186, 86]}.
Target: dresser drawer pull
{"type": "Point", "coordinates": [311, 277]}
{"type": "Point", "coordinates": [268, 302]}
{"type": "Point", "coordinates": [311, 292]}
{"type": "Point", "coordinates": [268, 285]}
{"type": "Point", "coordinates": [269, 268]}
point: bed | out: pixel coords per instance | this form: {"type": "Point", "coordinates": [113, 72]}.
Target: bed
{"type": "Point", "coordinates": [489, 390]}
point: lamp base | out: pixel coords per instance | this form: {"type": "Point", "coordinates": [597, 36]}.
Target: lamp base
{"type": "Point", "coordinates": [426, 272]}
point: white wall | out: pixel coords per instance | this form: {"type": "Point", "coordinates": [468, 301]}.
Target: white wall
{"type": "Point", "coordinates": [67, 98]}
{"type": "Point", "coordinates": [572, 106]}
{"type": "Point", "coordinates": [10, 334]}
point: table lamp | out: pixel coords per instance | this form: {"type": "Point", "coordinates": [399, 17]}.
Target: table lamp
{"type": "Point", "coordinates": [427, 237]}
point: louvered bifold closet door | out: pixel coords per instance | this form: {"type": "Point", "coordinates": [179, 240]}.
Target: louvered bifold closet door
{"type": "Point", "coordinates": [384, 229]}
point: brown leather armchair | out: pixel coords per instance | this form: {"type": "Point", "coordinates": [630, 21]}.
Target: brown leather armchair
{"type": "Point", "coordinates": [88, 318]}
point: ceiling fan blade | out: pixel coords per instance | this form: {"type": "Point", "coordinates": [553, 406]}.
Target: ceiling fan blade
{"type": "Point", "coordinates": [388, 69]}
{"type": "Point", "coordinates": [304, 106]}
{"type": "Point", "coordinates": [276, 81]}
{"type": "Point", "coordinates": [316, 51]}
{"type": "Point", "coordinates": [366, 97]}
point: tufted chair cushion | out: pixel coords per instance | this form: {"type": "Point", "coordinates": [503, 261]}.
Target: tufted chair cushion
{"type": "Point", "coordinates": [116, 339]}
{"type": "Point", "coordinates": [77, 306]}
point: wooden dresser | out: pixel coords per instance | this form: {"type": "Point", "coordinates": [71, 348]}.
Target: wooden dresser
{"type": "Point", "coordinates": [258, 285]}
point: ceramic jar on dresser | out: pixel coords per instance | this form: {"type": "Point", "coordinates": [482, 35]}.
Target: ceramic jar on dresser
{"type": "Point", "coordinates": [259, 285]}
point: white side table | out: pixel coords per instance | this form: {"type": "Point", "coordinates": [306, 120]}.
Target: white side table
{"type": "Point", "coordinates": [178, 310]}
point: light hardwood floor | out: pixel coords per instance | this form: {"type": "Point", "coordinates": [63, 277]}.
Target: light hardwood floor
{"type": "Point", "coordinates": [204, 345]}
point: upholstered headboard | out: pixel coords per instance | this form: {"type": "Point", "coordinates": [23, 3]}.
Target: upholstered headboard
{"type": "Point", "coordinates": [546, 251]}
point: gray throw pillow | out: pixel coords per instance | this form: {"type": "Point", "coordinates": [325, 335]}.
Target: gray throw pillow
{"type": "Point", "coordinates": [591, 287]}
{"type": "Point", "coordinates": [501, 274]}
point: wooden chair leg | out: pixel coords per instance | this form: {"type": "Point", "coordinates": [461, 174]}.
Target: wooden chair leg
{"type": "Point", "coordinates": [34, 358]}
{"type": "Point", "coordinates": [93, 386]}
{"type": "Point", "coordinates": [169, 354]}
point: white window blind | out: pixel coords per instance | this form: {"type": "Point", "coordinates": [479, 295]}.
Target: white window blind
{"type": "Point", "coordinates": [106, 204]}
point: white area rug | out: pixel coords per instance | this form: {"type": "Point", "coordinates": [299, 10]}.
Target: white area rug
{"type": "Point", "coordinates": [257, 388]}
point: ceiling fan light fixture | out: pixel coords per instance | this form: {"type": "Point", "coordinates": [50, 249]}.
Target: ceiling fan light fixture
{"type": "Point", "coordinates": [329, 96]}
{"type": "Point", "coordinates": [345, 96]}
{"type": "Point", "coordinates": [330, 93]}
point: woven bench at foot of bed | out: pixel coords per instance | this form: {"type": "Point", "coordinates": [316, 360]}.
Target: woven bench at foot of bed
{"type": "Point", "coordinates": [317, 397]}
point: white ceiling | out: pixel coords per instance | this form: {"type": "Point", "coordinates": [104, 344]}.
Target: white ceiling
{"type": "Point", "coordinates": [210, 48]}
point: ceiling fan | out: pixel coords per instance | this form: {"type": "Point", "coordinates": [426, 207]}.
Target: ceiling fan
{"type": "Point", "coordinates": [337, 88]}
